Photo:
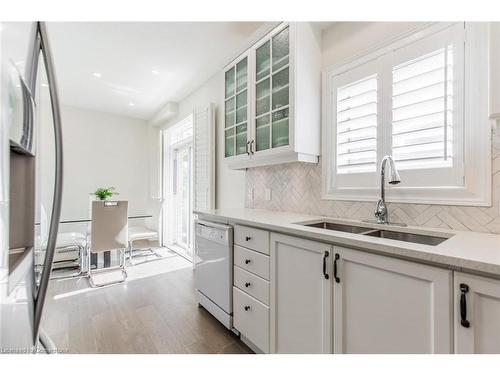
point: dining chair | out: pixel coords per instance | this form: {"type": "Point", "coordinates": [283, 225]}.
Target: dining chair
{"type": "Point", "coordinates": [143, 234]}
{"type": "Point", "coordinates": [70, 251]}
{"type": "Point", "coordinates": [109, 231]}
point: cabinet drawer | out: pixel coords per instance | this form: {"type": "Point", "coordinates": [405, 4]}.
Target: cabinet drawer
{"type": "Point", "coordinates": [252, 284]}
{"type": "Point", "coordinates": [251, 318]}
{"type": "Point", "coordinates": [255, 239]}
{"type": "Point", "coordinates": [252, 261]}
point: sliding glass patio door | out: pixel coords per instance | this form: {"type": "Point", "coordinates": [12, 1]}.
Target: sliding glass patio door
{"type": "Point", "coordinates": [183, 192]}
{"type": "Point", "coordinates": [177, 181]}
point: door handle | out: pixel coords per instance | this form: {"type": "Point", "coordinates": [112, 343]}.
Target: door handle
{"type": "Point", "coordinates": [47, 342]}
{"type": "Point", "coordinates": [248, 144]}
{"type": "Point", "coordinates": [325, 255]}
{"type": "Point", "coordinates": [44, 47]}
{"type": "Point", "coordinates": [251, 146]}
{"type": "Point", "coordinates": [335, 276]}
{"type": "Point", "coordinates": [464, 289]}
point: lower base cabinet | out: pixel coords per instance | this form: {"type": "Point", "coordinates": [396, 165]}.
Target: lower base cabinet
{"type": "Point", "coordinates": [301, 296]}
{"type": "Point", "coordinates": [477, 314]}
{"type": "Point", "coordinates": [387, 305]}
{"type": "Point", "coordinates": [312, 297]}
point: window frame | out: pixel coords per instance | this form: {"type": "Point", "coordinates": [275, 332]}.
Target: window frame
{"type": "Point", "coordinates": [475, 173]}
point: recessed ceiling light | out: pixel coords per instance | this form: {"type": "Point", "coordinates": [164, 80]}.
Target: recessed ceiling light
{"type": "Point", "coordinates": [154, 71]}
{"type": "Point", "coordinates": [45, 85]}
{"type": "Point", "coordinates": [131, 104]}
{"type": "Point", "coordinates": [96, 74]}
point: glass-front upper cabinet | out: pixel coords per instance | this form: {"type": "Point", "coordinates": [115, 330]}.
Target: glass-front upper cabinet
{"type": "Point", "coordinates": [272, 93]}
{"type": "Point", "coordinates": [272, 99]}
{"type": "Point", "coordinates": [236, 109]}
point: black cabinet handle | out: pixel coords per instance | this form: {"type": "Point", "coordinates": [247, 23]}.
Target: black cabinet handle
{"type": "Point", "coordinates": [335, 276]}
{"type": "Point", "coordinates": [247, 285]}
{"type": "Point", "coordinates": [248, 238]}
{"type": "Point", "coordinates": [247, 261]}
{"type": "Point", "coordinates": [464, 289]}
{"type": "Point", "coordinates": [325, 255]}
{"type": "Point", "coordinates": [247, 308]}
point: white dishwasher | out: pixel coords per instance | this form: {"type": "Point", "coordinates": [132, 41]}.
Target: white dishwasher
{"type": "Point", "coordinates": [213, 271]}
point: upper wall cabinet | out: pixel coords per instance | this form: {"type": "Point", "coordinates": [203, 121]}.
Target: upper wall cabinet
{"type": "Point", "coordinates": [272, 99]}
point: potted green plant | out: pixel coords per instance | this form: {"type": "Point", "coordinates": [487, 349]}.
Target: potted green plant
{"type": "Point", "coordinates": [105, 193]}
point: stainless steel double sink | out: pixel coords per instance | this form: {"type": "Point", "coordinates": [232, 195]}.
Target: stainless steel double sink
{"type": "Point", "coordinates": [380, 233]}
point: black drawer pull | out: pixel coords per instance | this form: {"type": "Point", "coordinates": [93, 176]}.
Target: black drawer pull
{"type": "Point", "coordinates": [248, 238]}
{"type": "Point", "coordinates": [247, 261]}
{"type": "Point", "coordinates": [464, 289]}
{"type": "Point", "coordinates": [247, 285]}
{"type": "Point", "coordinates": [335, 276]}
{"type": "Point", "coordinates": [247, 308]}
{"type": "Point", "coordinates": [325, 255]}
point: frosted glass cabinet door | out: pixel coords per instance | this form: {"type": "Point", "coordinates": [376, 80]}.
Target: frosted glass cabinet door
{"type": "Point", "coordinates": [272, 92]}
{"type": "Point", "coordinates": [236, 109]}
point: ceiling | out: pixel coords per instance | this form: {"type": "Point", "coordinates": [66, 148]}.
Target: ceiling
{"type": "Point", "coordinates": [134, 69]}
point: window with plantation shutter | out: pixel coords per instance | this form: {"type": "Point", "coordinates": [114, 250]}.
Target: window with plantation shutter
{"type": "Point", "coordinates": [421, 98]}
{"type": "Point", "coordinates": [422, 111]}
{"type": "Point", "coordinates": [357, 126]}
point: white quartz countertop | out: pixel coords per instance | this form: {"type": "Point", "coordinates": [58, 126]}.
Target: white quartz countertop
{"type": "Point", "coordinates": [468, 251]}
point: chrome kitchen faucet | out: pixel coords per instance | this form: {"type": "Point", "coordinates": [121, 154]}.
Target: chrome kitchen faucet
{"type": "Point", "coordinates": [381, 212]}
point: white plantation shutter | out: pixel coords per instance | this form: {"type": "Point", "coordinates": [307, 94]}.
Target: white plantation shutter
{"type": "Point", "coordinates": [421, 98]}
{"type": "Point", "coordinates": [204, 158]}
{"type": "Point", "coordinates": [422, 111]}
{"type": "Point", "coordinates": [357, 126]}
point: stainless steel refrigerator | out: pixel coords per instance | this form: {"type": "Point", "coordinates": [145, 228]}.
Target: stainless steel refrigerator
{"type": "Point", "coordinates": [26, 57]}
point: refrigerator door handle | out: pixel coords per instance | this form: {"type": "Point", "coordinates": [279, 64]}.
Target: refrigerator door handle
{"type": "Point", "coordinates": [47, 343]}
{"type": "Point", "coordinates": [58, 185]}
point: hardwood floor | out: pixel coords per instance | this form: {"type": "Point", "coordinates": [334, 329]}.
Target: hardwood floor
{"type": "Point", "coordinates": [156, 314]}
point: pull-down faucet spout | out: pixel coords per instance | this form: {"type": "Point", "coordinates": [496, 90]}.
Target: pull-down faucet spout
{"type": "Point", "coordinates": [381, 212]}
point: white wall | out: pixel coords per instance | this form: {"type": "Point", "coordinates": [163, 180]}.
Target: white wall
{"type": "Point", "coordinates": [100, 150]}
{"type": "Point", "coordinates": [229, 184]}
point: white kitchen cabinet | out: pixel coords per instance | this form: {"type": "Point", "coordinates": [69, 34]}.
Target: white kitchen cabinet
{"type": "Point", "coordinates": [283, 98]}
{"type": "Point", "coordinates": [477, 314]}
{"type": "Point", "coordinates": [387, 305]}
{"type": "Point", "coordinates": [301, 294]}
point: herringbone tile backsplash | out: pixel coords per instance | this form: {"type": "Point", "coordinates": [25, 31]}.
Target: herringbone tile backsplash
{"type": "Point", "coordinates": [296, 187]}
